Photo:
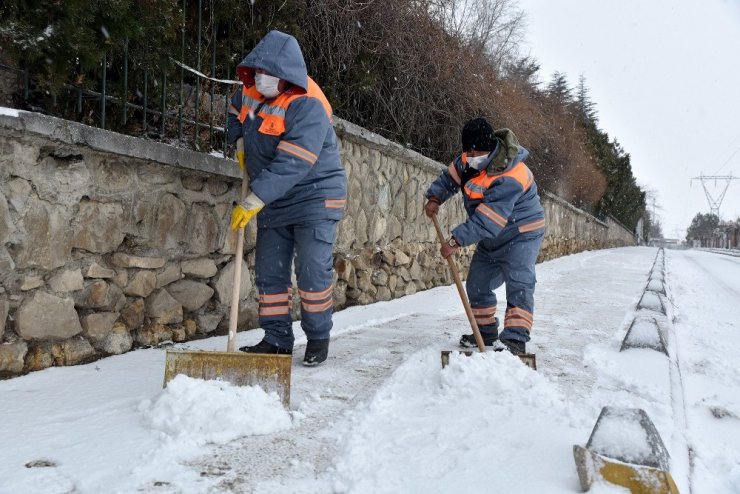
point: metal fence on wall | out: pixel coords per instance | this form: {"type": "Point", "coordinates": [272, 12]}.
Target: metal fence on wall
{"type": "Point", "coordinates": [188, 107]}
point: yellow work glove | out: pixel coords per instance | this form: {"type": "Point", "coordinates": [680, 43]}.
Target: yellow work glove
{"type": "Point", "coordinates": [240, 152]}
{"type": "Point", "coordinates": [245, 211]}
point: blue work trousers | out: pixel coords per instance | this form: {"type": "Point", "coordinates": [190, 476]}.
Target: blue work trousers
{"type": "Point", "coordinates": [511, 262]}
{"type": "Point", "coordinates": [311, 243]}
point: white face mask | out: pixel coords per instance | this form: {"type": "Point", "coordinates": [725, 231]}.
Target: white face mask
{"type": "Point", "coordinates": [478, 162]}
{"type": "Point", "coordinates": [267, 85]}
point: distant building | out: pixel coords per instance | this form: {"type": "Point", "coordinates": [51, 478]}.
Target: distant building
{"type": "Point", "coordinates": [725, 236]}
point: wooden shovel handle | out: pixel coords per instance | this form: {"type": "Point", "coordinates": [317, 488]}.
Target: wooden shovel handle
{"type": "Point", "coordinates": [461, 290]}
{"type": "Point", "coordinates": [234, 314]}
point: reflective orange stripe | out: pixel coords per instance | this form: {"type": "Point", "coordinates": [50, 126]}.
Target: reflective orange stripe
{"type": "Point", "coordinates": [298, 151]}
{"type": "Point", "coordinates": [485, 322]}
{"type": "Point", "coordinates": [520, 173]}
{"type": "Point", "coordinates": [530, 227]}
{"type": "Point", "coordinates": [484, 311]}
{"type": "Point", "coordinates": [519, 312]}
{"type": "Point", "coordinates": [335, 203]}
{"type": "Point", "coordinates": [515, 321]}
{"type": "Point", "coordinates": [453, 173]}
{"type": "Point", "coordinates": [317, 308]}
{"type": "Point", "coordinates": [280, 310]}
{"type": "Point", "coordinates": [492, 215]}
{"type": "Point", "coordinates": [316, 295]}
{"type": "Point", "coordinates": [275, 124]}
{"type": "Point", "coordinates": [274, 297]}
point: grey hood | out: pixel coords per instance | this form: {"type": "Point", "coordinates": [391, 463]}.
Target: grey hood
{"type": "Point", "coordinates": [280, 55]}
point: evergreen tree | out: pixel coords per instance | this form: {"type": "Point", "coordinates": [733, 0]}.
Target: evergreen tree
{"type": "Point", "coordinates": [702, 226]}
{"type": "Point", "coordinates": [559, 91]}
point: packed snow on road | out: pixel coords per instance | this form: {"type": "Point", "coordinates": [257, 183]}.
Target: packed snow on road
{"type": "Point", "coordinates": [382, 416]}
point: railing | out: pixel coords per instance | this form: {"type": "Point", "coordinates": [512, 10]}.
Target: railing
{"type": "Point", "coordinates": [178, 104]}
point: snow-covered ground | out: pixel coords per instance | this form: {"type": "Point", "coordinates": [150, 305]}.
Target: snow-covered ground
{"type": "Point", "coordinates": [381, 416]}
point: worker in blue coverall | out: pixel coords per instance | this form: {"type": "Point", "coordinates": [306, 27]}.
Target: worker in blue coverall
{"type": "Point", "coordinates": [505, 221]}
{"type": "Point", "coordinates": [281, 123]}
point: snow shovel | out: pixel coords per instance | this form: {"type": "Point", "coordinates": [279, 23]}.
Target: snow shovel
{"type": "Point", "coordinates": [527, 358]}
{"type": "Point", "coordinates": [270, 372]}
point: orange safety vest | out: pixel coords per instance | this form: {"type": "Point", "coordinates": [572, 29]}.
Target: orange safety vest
{"type": "Point", "coordinates": [273, 113]}
{"type": "Point", "coordinates": [477, 186]}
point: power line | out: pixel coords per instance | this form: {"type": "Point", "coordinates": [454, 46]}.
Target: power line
{"type": "Point", "coordinates": [728, 146]}
{"type": "Point", "coordinates": [728, 159]}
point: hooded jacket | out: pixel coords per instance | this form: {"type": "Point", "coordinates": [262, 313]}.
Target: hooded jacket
{"type": "Point", "coordinates": [501, 200]}
{"type": "Point", "coordinates": [290, 147]}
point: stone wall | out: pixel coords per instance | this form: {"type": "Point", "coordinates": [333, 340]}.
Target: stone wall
{"type": "Point", "coordinates": [109, 242]}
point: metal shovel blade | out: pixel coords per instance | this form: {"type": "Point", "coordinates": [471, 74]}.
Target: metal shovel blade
{"type": "Point", "coordinates": [270, 372]}
{"type": "Point", "coordinates": [639, 479]}
{"type": "Point", "coordinates": [527, 359]}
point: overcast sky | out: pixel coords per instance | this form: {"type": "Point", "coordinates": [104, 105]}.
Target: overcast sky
{"type": "Point", "coordinates": [665, 75]}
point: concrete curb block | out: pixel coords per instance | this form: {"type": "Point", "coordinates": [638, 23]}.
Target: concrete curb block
{"type": "Point", "coordinates": [625, 449]}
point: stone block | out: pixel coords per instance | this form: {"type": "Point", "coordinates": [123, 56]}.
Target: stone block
{"type": "Point", "coordinates": [62, 181]}
{"type": "Point", "coordinates": [225, 282]}
{"type": "Point", "coordinates": [69, 280]}
{"type": "Point", "coordinates": [343, 268]}
{"type": "Point", "coordinates": [191, 294]}
{"type": "Point", "coordinates": [384, 294]}
{"type": "Point", "coordinates": [47, 239]}
{"type": "Point", "coordinates": [73, 352]}
{"type": "Point", "coordinates": [18, 191]}
{"type": "Point", "coordinates": [141, 284]}
{"type": "Point", "coordinates": [190, 327]}
{"type": "Point", "coordinates": [133, 314]}
{"type": "Point", "coordinates": [162, 308]}
{"type": "Point", "coordinates": [12, 357]}
{"type": "Point", "coordinates": [117, 341]}
{"type": "Point", "coordinates": [98, 227]}
{"type": "Point", "coordinates": [39, 358]}
{"type": "Point", "coordinates": [95, 270]}
{"type": "Point", "coordinates": [47, 316]}
{"type": "Point", "coordinates": [4, 308]}
{"type": "Point", "coordinates": [192, 182]}
{"type": "Point", "coordinates": [169, 274]}
{"type": "Point", "coordinates": [379, 278]}
{"type": "Point", "coordinates": [31, 283]}
{"type": "Point", "coordinates": [208, 322]}
{"type": "Point", "coordinates": [168, 228]}
{"type": "Point", "coordinates": [128, 261]}
{"type": "Point", "coordinates": [98, 325]}
{"type": "Point", "coordinates": [401, 259]}
{"type": "Point", "coordinates": [99, 295]}
{"type": "Point", "coordinates": [152, 335]}
{"type": "Point", "coordinates": [202, 229]}
{"type": "Point", "coordinates": [6, 223]}
{"type": "Point", "coordinates": [121, 278]}
{"type": "Point", "coordinates": [199, 268]}
{"type": "Point", "coordinates": [216, 187]}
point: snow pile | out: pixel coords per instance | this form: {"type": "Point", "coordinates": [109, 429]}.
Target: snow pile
{"type": "Point", "coordinates": [434, 430]}
{"type": "Point", "coordinates": [644, 333]}
{"type": "Point", "coordinates": [651, 301]}
{"type": "Point", "coordinates": [9, 112]}
{"type": "Point", "coordinates": [655, 286]}
{"type": "Point", "coordinates": [201, 412]}
{"type": "Point", "coordinates": [623, 438]}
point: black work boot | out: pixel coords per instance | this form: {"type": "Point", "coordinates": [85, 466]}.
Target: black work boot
{"type": "Point", "coordinates": [514, 346]}
{"type": "Point", "coordinates": [316, 352]}
{"type": "Point", "coordinates": [265, 347]}
{"type": "Point", "coordinates": [468, 340]}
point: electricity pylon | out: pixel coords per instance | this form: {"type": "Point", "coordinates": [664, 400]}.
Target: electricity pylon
{"type": "Point", "coordinates": [714, 204]}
